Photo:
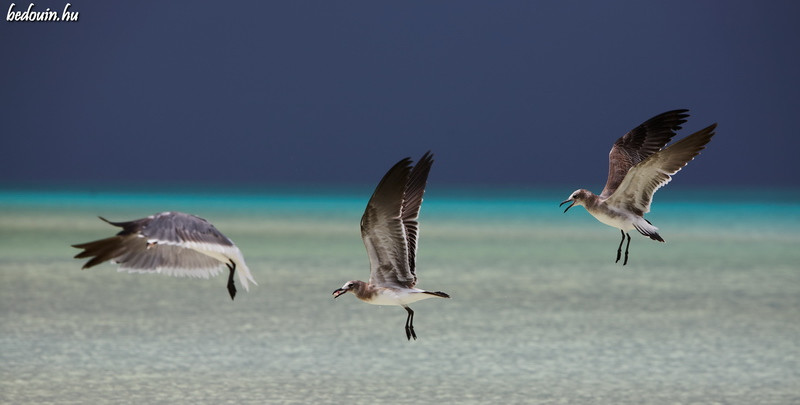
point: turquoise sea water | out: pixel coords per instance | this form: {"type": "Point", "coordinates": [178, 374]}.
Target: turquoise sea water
{"type": "Point", "coordinates": [540, 313]}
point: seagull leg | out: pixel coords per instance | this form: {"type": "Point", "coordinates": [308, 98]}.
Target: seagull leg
{"type": "Point", "coordinates": [410, 324]}
{"type": "Point", "coordinates": [619, 249]}
{"type": "Point", "coordinates": [231, 287]}
{"type": "Point", "coordinates": [626, 249]}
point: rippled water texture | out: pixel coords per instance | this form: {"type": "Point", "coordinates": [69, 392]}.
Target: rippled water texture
{"type": "Point", "coordinates": [540, 312]}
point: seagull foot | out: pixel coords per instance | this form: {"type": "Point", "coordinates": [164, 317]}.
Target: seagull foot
{"type": "Point", "coordinates": [232, 290]}
{"type": "Point", "coordinates": [410, 333]}
{"type": "Point", "coordinates": [231, 286]}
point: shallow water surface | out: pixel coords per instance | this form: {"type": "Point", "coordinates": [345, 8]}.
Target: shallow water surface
{"type": "Point", "coordinates": [540, 312]}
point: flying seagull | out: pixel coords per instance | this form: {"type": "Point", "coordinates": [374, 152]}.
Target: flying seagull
{"type": "Point", "coordinates": [638, 165]}
{"type": "Point", "coordinates": [389, 229]}
{"type": "Point", "coordinates": [172, 243]}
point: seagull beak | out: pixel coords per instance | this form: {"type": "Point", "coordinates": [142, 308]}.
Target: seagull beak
{"type": "Point", "coordinates": [569, 206]}
{"type": "Point", "coordinates": [339, 292]}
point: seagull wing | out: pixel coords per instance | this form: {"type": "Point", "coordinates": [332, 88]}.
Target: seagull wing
{"type": "Point", "coordinates": [643, 180]}
{"type": "Point", "coordinates": [383, 231]}
{"type": "Point", "coordinates": [173, 243]}
{"type": "Point", "coordinates": [412, 201]}
{"type": "Point", "coordinates": [638, 144]}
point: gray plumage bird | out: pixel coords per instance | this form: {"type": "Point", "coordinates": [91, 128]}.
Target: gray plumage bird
{"type": "Point", "coordinates": [171, 243]}
{"type": "Point", "coordinates": [389, 229]}
{"type": "Point", "coordinates": [638, 165]}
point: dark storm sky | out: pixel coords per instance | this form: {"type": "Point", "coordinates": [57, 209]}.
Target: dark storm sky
{"type": "Point", "coordinates": [324, 92]}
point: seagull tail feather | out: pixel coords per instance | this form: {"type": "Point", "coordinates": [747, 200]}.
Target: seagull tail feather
{"type": "Point", "coordinates": [438, 294]}
{"type": "Point", "coordinates": [647, 229]}
{"type": "Point", "coordinates": [244, 274]}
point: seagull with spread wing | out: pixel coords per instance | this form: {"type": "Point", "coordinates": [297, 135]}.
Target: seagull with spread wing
{"type": "Point", "coordinates": [171, 243]}
{"type": "Point", "coordinates": [638, 165]}
{"type": "Point", "coordinates": [389, 229]}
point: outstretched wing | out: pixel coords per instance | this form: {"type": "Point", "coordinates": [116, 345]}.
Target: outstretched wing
{"type": "Point", "coordinates": [172, 243]}
{"type": "Point", "coordinates": [643, 180]}
{"type": "Point", "coordinates": [389, 225]}
{"type": "Point", "coordinates": [412, 201]}
{"type": "Point", "coordinates": [638, 144]}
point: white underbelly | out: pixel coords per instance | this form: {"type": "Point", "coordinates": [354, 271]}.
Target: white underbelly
{"type": "Point", "coordinates": [620, 221]}
{"type": "Point", "coordinates": [398, 297]}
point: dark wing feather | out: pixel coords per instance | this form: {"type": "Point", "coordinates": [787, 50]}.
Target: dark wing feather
{"type": "Point", "coordinates": [128, 239]}
{"type": "Point", "coordinates": [638, 144]}
{"type": "Point", "coordinates": [383, 232]}
{"type": "Point", "coordinates": [134, 253]}
{"type": "Point", "coordinates": [102, 250]}
{"type": "Point", "coordinates": [412, 201]}
{"type": "Point", "coordinates": [643, 180]}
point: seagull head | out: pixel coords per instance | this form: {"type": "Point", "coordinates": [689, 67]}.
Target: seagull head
{"type": "Point", "coordinates": [345, 288]}
{"type": "Point", "coordinates": [576, 198]}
